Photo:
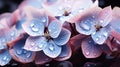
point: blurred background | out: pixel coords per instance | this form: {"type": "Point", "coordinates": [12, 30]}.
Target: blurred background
{"type": "Point", "coordinates": [77, 60]}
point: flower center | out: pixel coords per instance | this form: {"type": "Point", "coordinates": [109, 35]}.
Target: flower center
{"type": "Point", "coordinates": [98, 27]}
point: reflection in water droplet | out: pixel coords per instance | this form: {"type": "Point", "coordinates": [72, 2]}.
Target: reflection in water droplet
{"type": "Point", "coordinates": [44, 19]}
{"type": "Point", "coordinates": [19, 52]}
{"type": "Point", "coordinates": [34, 28]}
{"type": "Point", "coordinates": [87, 52]}
{"type": "Point", "coordinates": [101, 21]}
{"type": "Point", "coordinates": [84, 26]}
{"type": "Point", "coordinates": [97, 38]}
{"type": "Point", "coordinates": [28, 54]}
{"type": "Point", "coordinates": [51, 47]}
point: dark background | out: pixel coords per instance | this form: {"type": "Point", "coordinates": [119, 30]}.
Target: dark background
{"type": "Point", "coordinates": [77, 60]}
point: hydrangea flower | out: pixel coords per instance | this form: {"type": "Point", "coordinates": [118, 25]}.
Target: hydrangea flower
{"type": "Point", "coordinates": [46, 33]}
{"type": "Point", "coordinates": [66, 9]}
{"type": "Point", "coordinates": [94, 22]}
{"type": "Point", "coordinates": [8, 34]}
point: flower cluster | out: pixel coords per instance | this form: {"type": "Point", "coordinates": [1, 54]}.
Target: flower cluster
{"type": "Point", "coordinates": [45, 30]}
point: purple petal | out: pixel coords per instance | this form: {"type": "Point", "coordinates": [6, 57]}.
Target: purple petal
{"type": "Point", "coordinates": [52, 50]}
{"type": "Point", "coordinates": [86, 26]}
{"type": "Point", "coordinates": [105, 16]}
{"type": "Point", "coordinates": [100, 36]}
{"type": "Point", "coordinates": [105, 49]}
{"type": "Point", "coordinates": [63, 37]}
{"type": "Point", "coordinates": [5, 57]}
{"type": "Point", "coordinates": [34, 27]}
{"type": "Point", "coordinates": [65, 53]}
{"type": "Point", "coordinates": [35, 43]}
{"type": "Point", "coordinates": [21, 55]}
{"type": "Point", "coordinates": [41, 58]}
{"type": "Point", "coordinates": [54, 28]}
{"type": "Point", "coordinates": [90, 49]}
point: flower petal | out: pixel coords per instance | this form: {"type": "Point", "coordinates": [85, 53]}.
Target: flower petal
{"type": "Point", "coordinates": [63, 37]}
{"type": "Point", "coordinates": [5, 57]}
{"type": "Point", "coordinates": [85, 26]}
{"type": "Point", "coordinates": [41, 58]}
{"type": "Point", "coordinates": [65, 53]}
{"type": "Point", "coordinates": [90, 49]}
{"type": "Point", "coordinates": [101, 36]}
{"type": "Point", "coordinates": [75, 41]}
{"type": "Point", "coordinates": [35, 43]}
{"type": "Point", "coordinates": [54, 28]}
{"type": "Point", "coordinates": [36, 4]}
{"type": "Point", "coordinates": [21, 55]}
{"type": "Point", "coordinates": [33, 27]}
{"type": "Point", "coordinates": [105, 16]}
{"type": "Point", "coordinates": [52, 50]}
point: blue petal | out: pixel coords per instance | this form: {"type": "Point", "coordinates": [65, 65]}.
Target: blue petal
{"type": "Point", "coordinates": [65, 53]}
{"type": "Point", "coordinates": [21, 55]}
{"type": "Point", "coordinates": [35, 43]}
{"type": "Point", "coordinates": [54, 28]}
{"type": "Point", "coordinates": [63, 37]}
{"type": "Point", "coordinates": [5, 57]}
{"type": "Point", "coordinates": [90, 49]}
{"type": "Point", "coordinates": [52, 50]}
{"type": "Point", "coordinates": [34, 27]}
{"type": "Point", "coordinates": [86, 26]}
{"type": "Point", "coordinates": [100, 36]}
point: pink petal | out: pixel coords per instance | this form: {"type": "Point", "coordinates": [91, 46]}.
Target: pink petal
{"type": "Point", "coordinates": [54, 28]}
{"type": "Point", "coordinates": [105, 16]}
{"type": "Point", "coordinates": [65, 53]}
{"type": "Point", "coordinates": [35, 43]}
{"type": "Point", "coordinates": [90, 49]}
{"type": "Point", "coordinates": [41, 58]}
{"type": "Point", "coordinates": [75, 42]}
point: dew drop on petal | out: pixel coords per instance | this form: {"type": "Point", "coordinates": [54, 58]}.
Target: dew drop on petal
{"type": "Point", "coordinates": [51, 47]}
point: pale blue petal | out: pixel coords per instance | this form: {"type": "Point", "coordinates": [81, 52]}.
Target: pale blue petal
{"type": "Point", "coordinates": [63, 37]}
{"type": "Point", "coordinates": [5, 57]}
{"type": "Point", "coordinates": [52, 50]}
{"type": "Point", "coordinates": [54, 28]}
{"type": "Point", "coordinates": [35, 43]}
{"type": "Point", "coordinates": [21, 55]}
{"type": "Point", "coordinates": [100, 36]}
{"type": "Point", "coordinates": [34, 27]}
{"type": "Point", "coordinates": [85, 26]}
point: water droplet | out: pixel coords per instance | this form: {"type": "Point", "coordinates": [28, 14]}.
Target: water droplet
{"type": "Point", "coordinates": [34, 28]}
{"type": "Point", "coordinates": [97, 38]}
{"type": "Point", "coordinates": [43, 19]}
{"type": "Point", "coordinates": [12, 33]}
{"type": "Point", "coordinates": [101, 21]}
{"type": "Point", "coordinates": [87, 52]}
{"type": "Point", "coordinates": [84, 26]}
{"type": "Point", "coordinates": [105, 34]}
{"type": "Point", "coordinates": [19, 52]}
{"type": "Point", "coordinates": [40, 46]}
{"type": "Point", "coordinates": [5, 58]}
{"type": "Point", "coordinates": [32, 44]}
{"type": "Point", "coordinates": [24, 51]}
{"type": "Point", "coordinates": [51, 47]}
{"type": "Point", "coordinates": [28, 54]}
{"type": "Point", "coordinates": [118, 41]}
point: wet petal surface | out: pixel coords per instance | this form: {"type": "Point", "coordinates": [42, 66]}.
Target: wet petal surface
{"type": "Point", "coordinates": [35, 43]}
{"type": "Point", "coordinates": [90, 49]}
{"type": "Point", "coordinates": [52, 50]}
{"type": "Point", "coordinates": [21, 55]}
{"type": "Point", "coordinates": [100, 36]}
{"type": "Point", "coordinates": [54, 28]}
{"type": "Point", "coordinates": [5, 57]}
{"type": "Point", "coordinates": [33, 27]}
{"type": "Point", "coordinates": [105, 16]}
{"type": "Point", "coordinates": [63, 37]}
{"type": "Point", "coordinates": [41, 58]}
{"type": "Point", "coordinates": [85, 26]}
{"type": "Point", "coordinates": [65, 53]}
